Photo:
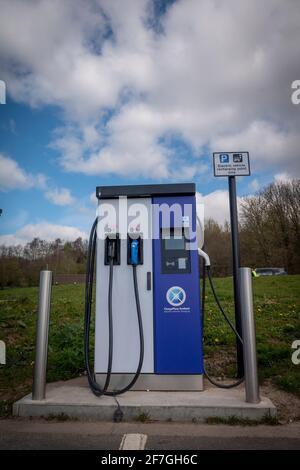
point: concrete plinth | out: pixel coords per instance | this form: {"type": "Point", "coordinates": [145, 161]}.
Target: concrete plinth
{"type": "Point", "coordinates": [74, 399]}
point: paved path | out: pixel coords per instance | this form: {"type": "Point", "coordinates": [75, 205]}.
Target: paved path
{"type": "Point", "coordinates": [39, 434]}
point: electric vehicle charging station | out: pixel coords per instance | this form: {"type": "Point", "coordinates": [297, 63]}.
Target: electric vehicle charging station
{"type": "Point", "coordinates": [149, 318]}
{"type": "Point", "coordinates": [147, 263]}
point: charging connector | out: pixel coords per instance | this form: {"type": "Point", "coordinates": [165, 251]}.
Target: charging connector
{"type": "Point", "coordinates": [112, 249]}
{"type": "Point", "coordinates": [112, 256]}
{"type": "Point", "coordinates": [134, 252]}
{"type": "Point", "coordinates": [134, 249]}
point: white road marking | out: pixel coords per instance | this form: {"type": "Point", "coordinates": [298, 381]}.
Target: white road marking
{"type": "Point", "coordinates": [133, 442]}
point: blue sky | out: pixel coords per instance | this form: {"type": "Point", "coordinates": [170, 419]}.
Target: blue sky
{"type": "Point", "coordinates": [129, 92]}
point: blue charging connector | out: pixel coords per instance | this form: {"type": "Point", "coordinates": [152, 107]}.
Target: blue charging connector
{"type": "Point", "coordinates": [134, 254]}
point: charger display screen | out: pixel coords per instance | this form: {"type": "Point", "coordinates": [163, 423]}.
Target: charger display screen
{"type": "Point", "coordinates": [174, 243]}
{"type": "Point", "coordinates": [175, 255]}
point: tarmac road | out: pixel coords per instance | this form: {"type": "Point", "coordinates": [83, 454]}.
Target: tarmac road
{"type": "Point", "coordinates": [70, 435]}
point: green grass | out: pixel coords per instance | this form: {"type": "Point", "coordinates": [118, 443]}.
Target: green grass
{"type": "Point", "coordinates": [277, 309]}
{"type": "Point", "coordinates": [143, 418]}
{"type": "Point", "coordinates": [18, 307]}
{"type": "Point", "coordinates": [59, 417]}
{"type": "Point", "coordinates": [277, 315]}
{"type": "Point", "coordinates": [237, 421]}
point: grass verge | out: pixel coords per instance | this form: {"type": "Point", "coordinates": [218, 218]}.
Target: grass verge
{"type": "Point", "coordinates": [277, 313]}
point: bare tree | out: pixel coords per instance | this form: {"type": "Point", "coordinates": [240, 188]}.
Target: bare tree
{"type": "Point", "coordinates": [270, 225]}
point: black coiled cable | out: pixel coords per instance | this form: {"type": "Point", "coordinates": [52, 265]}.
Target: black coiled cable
{"type": "Point", "coordinates": [95, 387]}
{"type": "Point", "coordinates": [206, 269]}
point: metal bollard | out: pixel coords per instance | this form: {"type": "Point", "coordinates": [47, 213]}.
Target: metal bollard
{"type": "Point", "coordinates": [42, 329]}
{"type": "Point", "coordinates": [248, 328]}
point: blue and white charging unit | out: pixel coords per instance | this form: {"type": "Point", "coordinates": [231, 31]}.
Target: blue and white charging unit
{"type": "Point", "coordinates": [151, 229]}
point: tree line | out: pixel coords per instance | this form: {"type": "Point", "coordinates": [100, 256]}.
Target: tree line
{"type": "Point", "coordinates": [269, 230]}
{"type": "Point", "coordinates": [21, 265]}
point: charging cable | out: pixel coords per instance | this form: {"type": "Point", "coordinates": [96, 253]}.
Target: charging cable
{"type": "Point", "coordinates": [206, 270]}
{"type": "Point", "coordinates": [95, 387]}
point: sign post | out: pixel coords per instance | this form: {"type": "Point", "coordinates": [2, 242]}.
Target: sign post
{"type": "Point", "coordinates": [232, 164]}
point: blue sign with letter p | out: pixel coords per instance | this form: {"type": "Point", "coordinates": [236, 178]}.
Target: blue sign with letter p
{"type": "Point", "coordinates": [224, 158]}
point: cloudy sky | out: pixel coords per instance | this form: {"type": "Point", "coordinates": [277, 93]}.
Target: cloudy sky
{"type": "Point", "coordinates": [104, 92]}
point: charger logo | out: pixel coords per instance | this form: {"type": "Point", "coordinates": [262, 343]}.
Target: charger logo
{"type": "Point", "coordinates": [176, 296]}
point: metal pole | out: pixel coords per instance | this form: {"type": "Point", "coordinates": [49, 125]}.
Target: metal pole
{"type": "Point", "coordinates": [248, 325]}
{"type": "Point", "coordinates": [42, 329]}
{"type": "Point", "coordinates": [235, 270]}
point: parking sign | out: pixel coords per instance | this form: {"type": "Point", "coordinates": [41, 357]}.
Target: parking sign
{"type": "Point", "coordinates": [231, 164]}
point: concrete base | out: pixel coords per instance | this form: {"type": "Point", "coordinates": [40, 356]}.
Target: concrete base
{"type": "Point", "coordinates": [155, 382]}
{"type": "Point", "coordinates": [74, 399]}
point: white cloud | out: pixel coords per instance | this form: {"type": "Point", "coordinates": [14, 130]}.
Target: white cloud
{"type": "Point", "coordinates": [44, 231]}
{"type": "Point", "coordinates": [267, 144]}
{"type": "Point", "coordinates": [218, 76]}
{"type": "Point", "coordinates": [216, 206]}
{"type": "Point", "coordinates": [11, 175]}
{"type": "Point", "coordinates": [93, 198]}
{"type": "Point", "coordinates": [128, 146]}
{"type": "Point", "coordinates": [14, 177]}
{"type": "Point", "coordinates": [122, 154]}
{"type": "Point", "coordinates": [254, 185]}
{"type": "Point", "coordinates": [41, 181]}
{"type": "Point", "coordinates": [282, 177]}
{"type": "Point", "coordinates": [60, 196]}
{"type": "Point", "coordinates": [85, 72]}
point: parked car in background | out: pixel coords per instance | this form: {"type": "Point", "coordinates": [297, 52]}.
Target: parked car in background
{"type": "Point", "coordinates": [270, 272]}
